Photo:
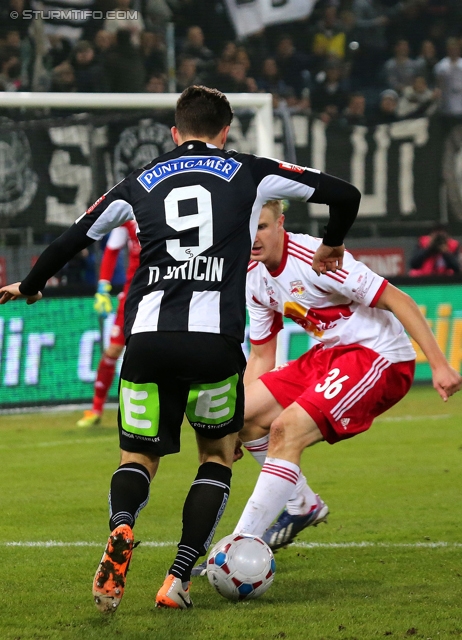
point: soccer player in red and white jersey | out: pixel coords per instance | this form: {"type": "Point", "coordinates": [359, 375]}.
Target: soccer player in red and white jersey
{"type": "Point", "coordinates": [124, 235]}
{"type": "Point", "coordinates": [364, 363]}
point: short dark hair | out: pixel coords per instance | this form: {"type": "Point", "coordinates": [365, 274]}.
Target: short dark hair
{"type": "Point", "coordinates": [201, 111]}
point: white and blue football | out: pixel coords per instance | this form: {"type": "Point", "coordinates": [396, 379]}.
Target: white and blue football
{"type": "Point", "coordinates": [241, 567]}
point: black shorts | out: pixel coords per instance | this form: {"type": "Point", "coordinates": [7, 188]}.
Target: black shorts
{"type": "Point", "coordinates": [167, 374]}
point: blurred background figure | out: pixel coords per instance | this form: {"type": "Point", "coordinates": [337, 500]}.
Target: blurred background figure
{"type": "Point", "coordinates": [156, 84]}
{"type": "Point", "coordinates": [448, 73]}
{"type": "Point", "coordinates": [124, 22]}
{"type": "Point", "coordinates": [436, 254]}
{"type": "Point", "coordinates": [355, 112]}
{"type": "Point", "coordinates": [89, 72]}
{"type": "Point", "coordinates": [418, 100]}
{"type": "Point", "coordinates": [399, 71]}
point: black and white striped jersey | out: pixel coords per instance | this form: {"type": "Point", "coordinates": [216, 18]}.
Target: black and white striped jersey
{"type": "Point", "coordinates": [197, 210]}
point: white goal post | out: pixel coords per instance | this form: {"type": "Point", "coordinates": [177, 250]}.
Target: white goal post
{"type": "Point", "coordinates": [261, 102]}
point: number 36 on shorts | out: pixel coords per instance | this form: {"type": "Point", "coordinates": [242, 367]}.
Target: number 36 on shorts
{"type": "Point", "coordinates": [332, 385]}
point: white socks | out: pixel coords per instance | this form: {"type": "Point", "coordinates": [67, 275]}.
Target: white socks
{"type": "Point", "coordinates": [302, 498]}
{"type": "Point", "coordinates": [274, 487]}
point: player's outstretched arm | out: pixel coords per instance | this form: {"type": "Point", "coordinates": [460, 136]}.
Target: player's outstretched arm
{"type": "Point", "coordinates": [12, 292]}
{"type": "Point", "coordinates": [446, 380]}
{"type": "Point", "coordinates": [262, 359]}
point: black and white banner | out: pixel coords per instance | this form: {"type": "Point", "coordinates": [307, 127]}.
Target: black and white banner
{"type": "Point", "coordinates": [250, 16]}
{"type": "Point", "coordinates": [397, 167]}
{"type": "Point", "coordinates": [51, 171]}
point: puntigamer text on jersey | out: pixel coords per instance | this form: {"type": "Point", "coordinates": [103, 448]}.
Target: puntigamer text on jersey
{"type": "Point", "coordinates": [223, 168]}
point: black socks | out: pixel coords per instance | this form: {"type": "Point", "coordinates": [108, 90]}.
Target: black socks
{"type": "Point", "coordinates": [203, 508]}
{"type": "Point", "coordinates": [129, 494]}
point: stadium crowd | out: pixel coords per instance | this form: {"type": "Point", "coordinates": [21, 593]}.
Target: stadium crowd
{"type": "Point", "coordinates": [357, 61]}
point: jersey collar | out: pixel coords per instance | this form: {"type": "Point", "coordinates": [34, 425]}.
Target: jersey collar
{"type": "Point", "coordinates": [285, 253]}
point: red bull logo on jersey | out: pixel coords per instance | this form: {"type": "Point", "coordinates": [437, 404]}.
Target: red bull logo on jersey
{"type": "Point", "coordinates": [298, 290]}
{"type": "Point", "coordinates": [317, 321]}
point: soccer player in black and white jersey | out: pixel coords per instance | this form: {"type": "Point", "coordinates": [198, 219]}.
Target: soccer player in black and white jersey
{"type": "Point", "coordinates": [197, 210]}
{"type": "Point", "coordinates": [362, 365]}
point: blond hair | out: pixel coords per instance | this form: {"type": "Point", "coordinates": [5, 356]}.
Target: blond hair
{"type": "Point", "coordinates": [276, 207]}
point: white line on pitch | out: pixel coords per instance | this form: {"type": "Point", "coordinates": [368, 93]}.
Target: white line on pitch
{"type": "Point", "coordinates": [299, 545]}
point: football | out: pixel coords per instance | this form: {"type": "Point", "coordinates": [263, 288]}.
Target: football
{"type": "Point", "coordinates": [241, 567]}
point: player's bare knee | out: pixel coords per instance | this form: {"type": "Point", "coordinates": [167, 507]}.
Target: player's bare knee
{"type": "Point", "coordinates": [279, 438]}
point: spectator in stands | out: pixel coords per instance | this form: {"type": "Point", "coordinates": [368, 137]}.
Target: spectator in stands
{"type": "Point", "coordinates": [448, 73]}
{"type": "Point", "coordinates": [12, 41]}
{"type": "Point", "coordinates": [10, 69]}
{"type": "Point", "coordinates": [257, 49]}
{"type": "Point", "coordinates": [241, 83]}
{"type": "Point", "coordinates": [63, 78]}
{"type": "Point", "coordinates": [125, 71]}
{"type": "Point", "coordinates": [270, 80]}
{"type": "Point", "coordinates": [355, 112]}
{"type": "Point", "coordinates": [242, 57]}
{"type": "Point", "coordinates": [329, 96]}
{"type": "Point", "coordinates": [153, 50]}
{"type": "Point", "coordinates": [59, 50]}
{"type": "Point", "coordinates": [194, 47]}
{"type": "Point", "coordinates": [75, 271]}
{"type": "Point", "coordinates": [186, 74]}
{"type": "Point", "coordinates": [103, 41]}
{"type": "Point", "coordinates": [220, 77]}
{"type": "Point", "coordinates": [293, 66]}
{"type": "Point", "coordinates": [400, 71]}
{"type": "Point", "coordinates": [89, 73]}
{"type": "Point", "coordinates": [372, 18]}
{"type": "Point", "coordinates": [8, 23]}
{"type": "Point", "coordinates": [387, 110]}
{"type": "Point", "coordinates": [418, 100]}
{"type": "Point", "coordinates": [229, 51]}
{"type": "Point", "coordinates": [426, 62]}
{"type": "Point", "coordinates": [329, 38]}
{"type": "Point", "coordinates": [134, 25]}
{"type": "Point", "coordinates": [435, 254]}
{"type": "Point", "coordinates": [158, 13]}
{"type": "Point", "coordinates": [156, 84]}
{"type": "Point", "coordinates": [411, 24]}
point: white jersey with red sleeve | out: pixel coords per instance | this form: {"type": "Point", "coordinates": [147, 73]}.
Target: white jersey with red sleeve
{"type": "Point", "coordinates": [335, 308]}
{"type": "Point", "coordinates": [122, 236]}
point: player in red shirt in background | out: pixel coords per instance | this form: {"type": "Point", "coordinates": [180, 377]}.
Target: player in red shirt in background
{"type": "Point", "coordinates": [119, 238]}
{"type": "Point", "coordinates": [435, 254]}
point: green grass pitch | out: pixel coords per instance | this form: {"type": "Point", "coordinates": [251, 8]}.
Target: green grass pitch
{"type": "Point", "coordinates": [396, 488]}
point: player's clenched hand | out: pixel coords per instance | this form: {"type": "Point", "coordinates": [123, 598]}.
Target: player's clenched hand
{"type": "Point", "coordinates": [103, 302]}
{"type": "Point", "coordinates": [328, 259]}
{"type": "Point", "coordinates": [446, 381]}
{"type": "Point", "coordinates": [11, 292]}
{"type": "Point", "coordinates": [238, 453]}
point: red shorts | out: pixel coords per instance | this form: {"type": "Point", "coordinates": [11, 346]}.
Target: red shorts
{"type": "Point", "coordinates": [342, 388]}
{"type": "Point", "coordinates": [117, 331]}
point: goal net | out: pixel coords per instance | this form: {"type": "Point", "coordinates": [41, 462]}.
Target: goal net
{"type": "Point", "coordinates": [58, 154]}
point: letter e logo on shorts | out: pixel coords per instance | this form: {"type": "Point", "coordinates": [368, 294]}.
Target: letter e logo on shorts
{"type": "Point", "coordinates": [212, 404]}
{"type": "Point", "coordinates": [139, 408]}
